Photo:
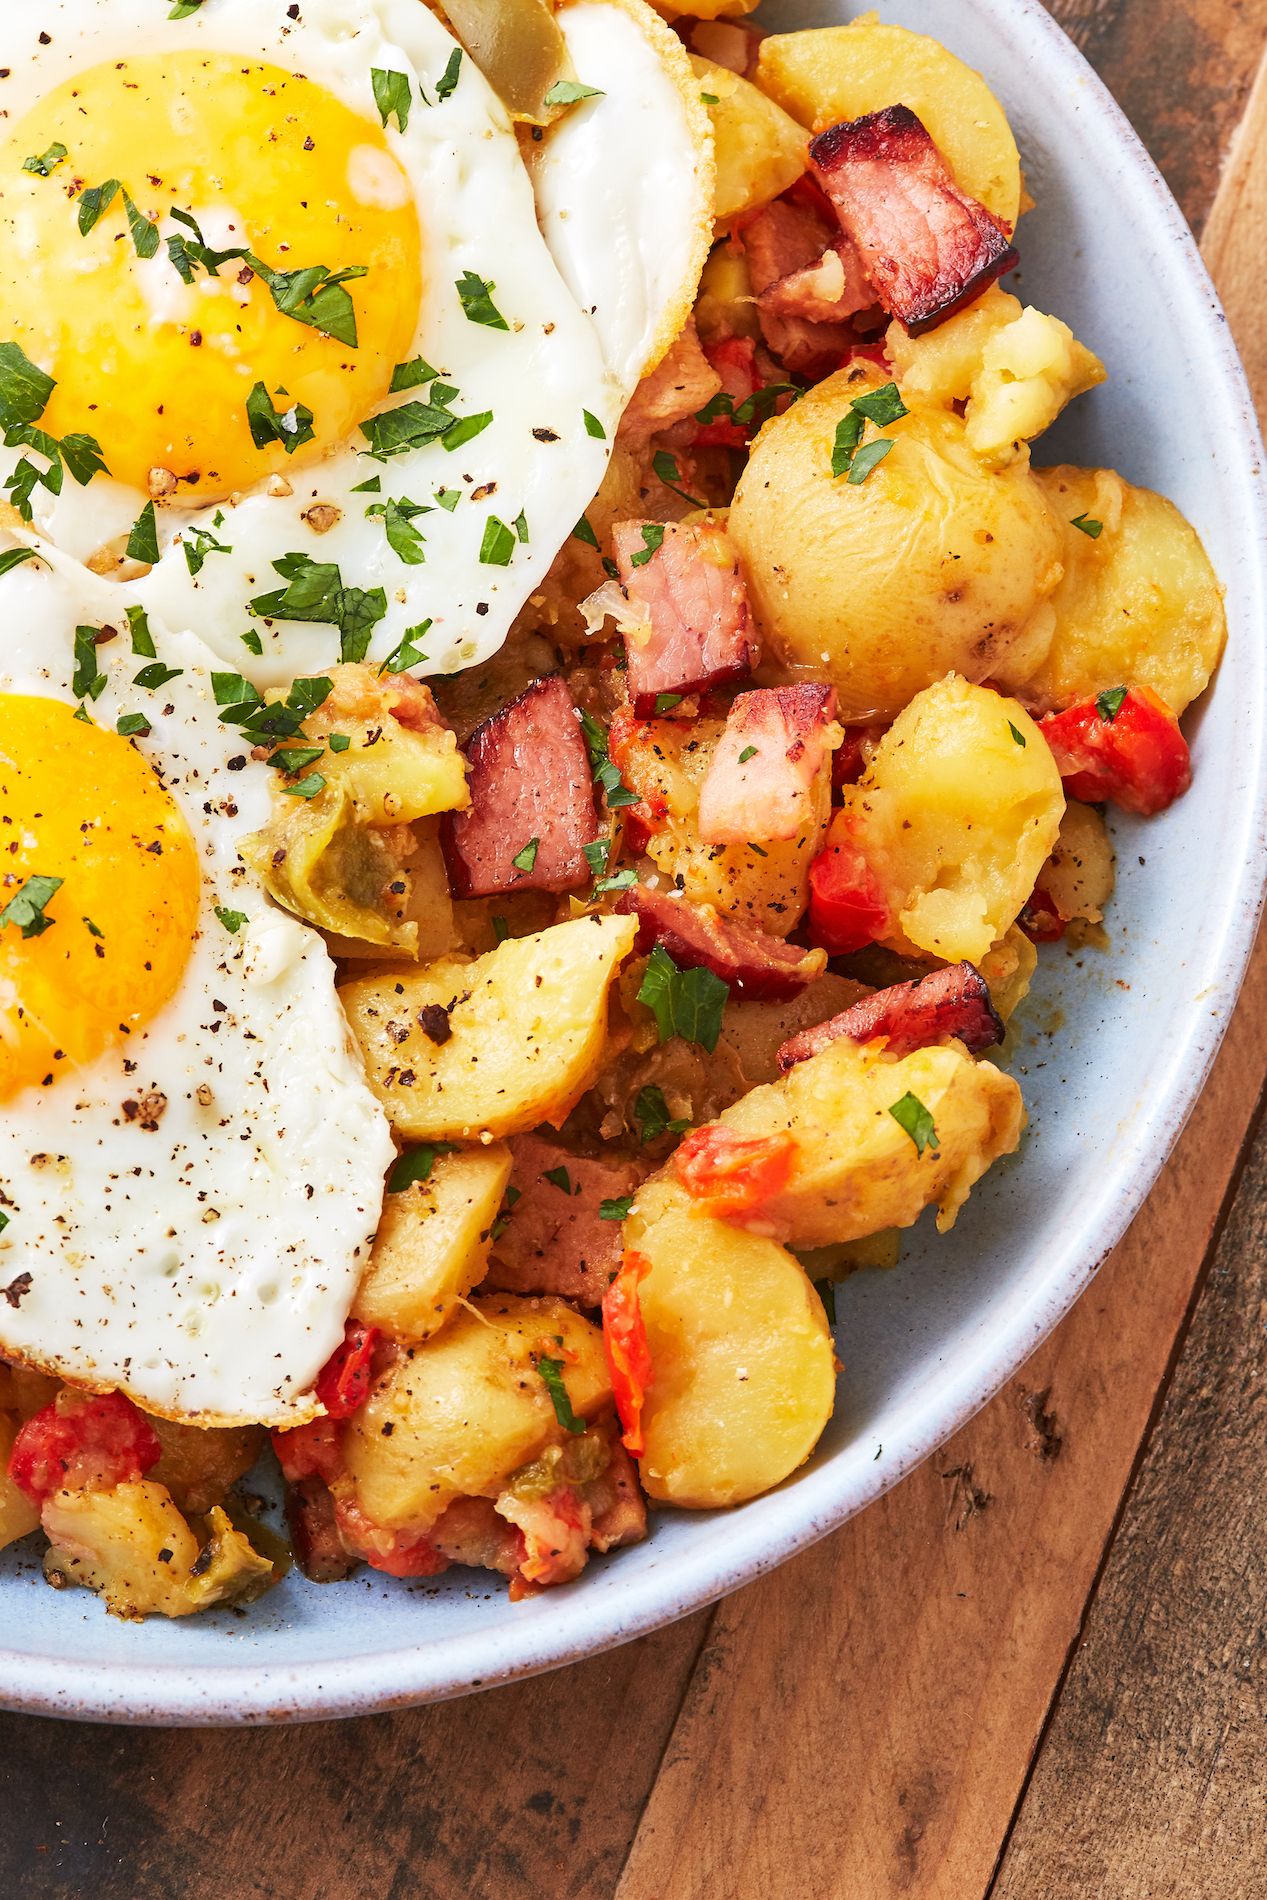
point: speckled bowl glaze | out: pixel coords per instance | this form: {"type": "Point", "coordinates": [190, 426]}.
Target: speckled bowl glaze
{"type": "Point", "coordinates": [928, 1344]}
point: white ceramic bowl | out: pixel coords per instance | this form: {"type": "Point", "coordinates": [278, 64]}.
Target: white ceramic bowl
{"type": "Point", "coordinates": [926, 1345]}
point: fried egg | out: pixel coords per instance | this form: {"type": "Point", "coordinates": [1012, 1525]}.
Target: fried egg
{"type": "Point", "coordinates": [191, 1161]}
{"type": "Point", "coordinates": [253, 247]}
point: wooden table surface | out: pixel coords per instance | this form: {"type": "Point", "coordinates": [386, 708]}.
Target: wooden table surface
{"type": "Point", "coordinates": [1034, 1672]}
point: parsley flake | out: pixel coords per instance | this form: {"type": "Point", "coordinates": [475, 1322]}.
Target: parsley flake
{"type": "Point", "coordinates": [1109, 704]}
{"type": "Point", "coordinates": [570, 92]}
{"type": "Point", "coordinates": [583, 532]}
{"type": "Point", "coordinates": [476, 295]}
{"type": "Point", "coordinates": [914, 1119]}
{"type": "Point", "coordinates": [252, 642]}
{"type": "Point", "coordinates": [652, 542]}
{"type": "Point", "coordinates": [1091, 528]}
{"type": "Point", "coordinates": [1017, 734]}
{"type": "Point", "coordinates": [26, 907]}
{"type": "Point", "coordinates": [686, 1003]}
{"type": "Point", "coordinates": [133, 726]}
{"type": "Point", "coordinates": [668, 472]}
{"type": "Point", "coordinates": [881, 406]}
{"type": "Point", "coordinates": [340, 741]}
{"type": "Point", "coordinates": [615, 1209]}
{"type": "Point", "coordinates": [415, 1165]}
{"type": "Point", "coordinates": [593, 426]}
{"type": "Point", "coordinates": [197, 544]}
{"type": "Point", "coordinates": [408, 653]}
{"type": "Point", "coordinates": [665, 702]}
{"type": "Point", "coordinates": [315, 592]}
{"type": "Point", "coordinates": [447, 83]}
{"type": "Point", "coordinates": [398, 518]}
{"type": "Point", "coordinates": [143, 540]}
{"type": "Point", "coordinates": [526, 859]}
{"type": "Point", "coordinates": [412, 375]}
{"type": "Point", "coordinates": [152, 677]}
{"type": "Point", "coordinates": [749, 752]}
{"type": "Point", "coordinates": [232, 920]}
{"type": "Point", "coordinates": [551, 1371]}
{"type": "Point", "coordinates": [292, 427]}
{"type": "Point", "coordinates": [306, 788]}
{"type": "Point", "coordinates": [498, 546]}
{"type": "Point", "coordinates": [15, 557]}
{"type": "Point", "coordinates": [619, 881]}
{"type": "Point", "coordinates": [558, 1177]}
{"type": "Point", "coordinates": [392, 96]}
{"type": "Point", "coordinates": [47, 162]}
{"type": "Point", "coordinates": [651, 1114]}
{"type": "Point", "coordinates": [142, 639]}
{"type": "Point", "coordinates": [88, 681]}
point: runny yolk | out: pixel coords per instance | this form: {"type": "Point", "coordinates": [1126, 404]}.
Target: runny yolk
{"type": "Point", "coordinates": [79, 803]}
{"type": "Point", "coordinates": [160, 370]}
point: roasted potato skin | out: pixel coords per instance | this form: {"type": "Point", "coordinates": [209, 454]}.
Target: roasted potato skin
{"type": "Point", "coordinates": [933, 564]}
{"type": "Point", "coordinates": [956, 813]}
{"type": "Point", "coordinates": [761, 150]}
{"type": "Point", "coordinates": [527, 1029]}
{"type": "Point", "coordinates": [744, 1375]}
{"type": "Point", "coordinates": [1139, 603]}
{"type": "Point", "coordinates": [459, 1414]}
{"type": "Point", "coordinates": [843, 72]}
{"type": "Point", "coordinates": [856, 1171]}
{"type": "Point", "coordinates": [432, 1243]}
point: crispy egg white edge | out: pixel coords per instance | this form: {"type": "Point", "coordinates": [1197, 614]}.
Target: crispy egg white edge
{"type": "Point", "coordinates": [215, 1291]}
{"type": "Point", "coordinates": [473, 193]}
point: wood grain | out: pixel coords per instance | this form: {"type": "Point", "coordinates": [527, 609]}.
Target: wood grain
{"type": "Point", "coordinates": [1151, 1777]}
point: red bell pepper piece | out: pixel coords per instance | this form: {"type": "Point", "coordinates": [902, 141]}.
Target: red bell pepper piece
{"type": "Point", "coordinates": [83, 1443]}
{"type": "Point", "coordinates": [628, 1354]}
{"type": "Point", "coordinates": [731, 1174]}
{"type": "Point", "coordinates": [309, 1451]}
{"type": "Point", "coordinates": [847, 905]}
{"type": "Point", "coordinates": [343, 1384]}
{"type": "Point", "coordinates": [1124, 746]}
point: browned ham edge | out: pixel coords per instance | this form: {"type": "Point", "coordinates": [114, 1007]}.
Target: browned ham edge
{"type": "Point", "coordinates": [954, 1002]}
{"type": "Point", "coordinates": [555, 1239]}
{"type": "Point", "coordinates": [756, 966]}
{"type": "Point", "coordinates": [697, 629]}
{"type": "Point", "coordinates": [760, 783]}
{"type": "Point", "coordinates": [529, 778]}
{"type": "Point", "coordinates": [928, 247]}
{"type": "Point", "coordinates": [781, 243]}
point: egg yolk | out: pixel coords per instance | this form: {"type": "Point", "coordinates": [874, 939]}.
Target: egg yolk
{"type": "Point", "coordinates": [80, 804]}
{"type": "Point", "coordinates": [160, 370]}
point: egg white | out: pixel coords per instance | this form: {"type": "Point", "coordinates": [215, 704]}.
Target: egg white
{"type": "Point", "coordinates": [537, 459]}
{"type": "Point", "coordinates": [205, 1267]}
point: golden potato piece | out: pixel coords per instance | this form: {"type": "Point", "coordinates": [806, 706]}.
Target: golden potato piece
{"type": "Point", "coordinates": [459, 1414]}
{"type": "Point", "coordinates": [1081, 872]}
{"type": "Point", "coordinates": [199, 1464]}
{"type": "Point", "coordinates": [1139, 604]}
{"type": "Point", "coordinates": [706, 9]}
{"type": "Point", "coordinates": [845, 72]}
{"type": "Point", "coordinates": [956, 812]}
{"type": "Point", "coordinates": [133, 1547]}
{"type": "Point", "coordinates": [432, 1243]}
{"type": "Point", "coordinates": [761, 150]}
{"type": "Point", "coordinates": [526, 1029]}
{"type": "Point", "coordinates": [857, 1169]}
{"type": "Point", "coordinates": [744, 1376]}
{"type": "Point", "coordinates": [932, 564]}
{"type": "Point", "coordinates": [1008, 967]}
{"type": "Point", "coordinates": [18, 1516]}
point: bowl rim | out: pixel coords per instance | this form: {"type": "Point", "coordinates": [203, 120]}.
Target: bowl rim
{"type": "Point", "coordinates": [178, 1694]}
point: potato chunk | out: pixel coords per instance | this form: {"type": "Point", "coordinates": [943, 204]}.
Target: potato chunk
{"type": "Point", "coordinates": [1078, 878]}
{"type": "Point", "coordinates": [934, 563]}
{"type": "Point", "coordinates": [1139, 605]}
{"type": "Point", "coordinates": [432, 1243]}
{"type": "Point", "coordinates": [761, 150]}
{"type": "Point", "coordinates": [744, 1376]}
{"type": "Point", "coordinates": [856, 1168]}
{"type": "Point", "coordinates": [18, 1516]}
{"type": "Point", "coordinates": [459, 1414]}
{"type": "Point", "coordinates": [844, 72]}
{"type": "Point", "coordinates": [133, 1547]}
{"type": "Point", "coordinates": [526, 1026]}
{"type": "Point", "coordinates": [957, 811]}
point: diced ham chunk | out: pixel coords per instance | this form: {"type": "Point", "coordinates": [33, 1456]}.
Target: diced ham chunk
{"type": "Point", "coordinates": [782, 241]}
{"type": "Point", "coordinates": [314, 1532]}
{"type": "Point", "coordinates": [950, 1002]}
{"type": "Point", "coordinates": [532, 797]}
{"type": "Point", "coordinates": [757, 966]}
{"type": "Point", "coordinates": [555, 1239]}
{"type": "Point", "coordinates": [698, 630]}
{"type": "Point", "coordinates": [620, 1510]}
{"type": "Point", "coordinates": [760, 784]}
{"type": "Point", "coordinates": [682, 382]}
{"type": "Point", "coordinates": [927, 246]}
{"type": "Point", "coordinates": [830, 290]}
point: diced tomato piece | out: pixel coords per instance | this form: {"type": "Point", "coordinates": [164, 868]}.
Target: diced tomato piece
{"type": "Point", "coordinates": [1134, 756]}
{"type": "Point", "coordinates": [343, 1383]}
{"type": "Point", "coordinates": [309, 1451]}
{"type": "Point", "coordinates": [396, 1553]}
{"type": "Point", "coordinates": [83, 1443]}
{"type": "Point", "coordinates": [1040, 920]}
{"type": "Point", "coordinates": [847, 906]}
{"type": "Point", "coordinates": [733, 1174]}
{"type": "Point", "coordinates": [628, 1354]}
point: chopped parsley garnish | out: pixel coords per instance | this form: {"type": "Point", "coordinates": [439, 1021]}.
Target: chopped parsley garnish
{"type": "Point", "coordinates": [292, 426]}
{"type": "Point", "coordinates": [152, 677]}
{"type": "Point", "coordinates": [92, 929]}
{"type": "Point", "coordinates": [526, 859]}
{"type": "Point", "coordinates": [597, 855]}
{"type": "Point", "coordinates": [710, 99]}
{"type": "Point", "coordinates": [665, 702]}
{"type": "Point", "coordinates": [652, 542]}
{"type": "Point", "coordinates": [242, 704]}
{"type": "Point", "coordinates": [447, 83]}
{"type": "Point", "coordinates": [619, 881]}
{"type": "Point", "coordinates": [392, 96]}
{"type": "Point", "coordinates": [307, 787]}
{"type": "Point", "coordinates": [551, 1371]}
{"type": "Point", "coordinates": [340, 741]}
{"type": "Point", "coordinates": [412, 375]}
{"type": "Point", "coordinates": [1093, 529]}
{"type": "Point", "coordinates": [1017, 734]}
{"type": "Point", "coordinates": [143, 540]}
{"type": "Point", "coordinates": [198, 543]}
{"type": "Point", "coordinates": [252, 642]}
{"type": "Point", "coordinates": [24, 394]}
{"type": "Point", "coordinates": [314, 296]}
{"type": "Point", "coordinates": [47, 162]}
{"type": "Point", "coordinates": [912, 1117]}
{"type": "Point", "coordinates": [142, 639]}
{"type": "Point", "coordinates": [1109, 704]}
{"type": "Point", "coordinates": [755, 408]}
{"type": "Point", "coordinates": [315, 591]}
{"type": "Point", "coordinates": [467, 430]}
{"type": "Point", "coordinates": [88, 681]}
{"type": "Point", "coordinates": [15, 557]}
{"type": "Point", "coordinates": [881, 406]}
{"type": "Point", "coordinates": [232, 920]}
{"type": "Point", "coordinates": [570, 92]}
{"type": "Point", "coordinates": [26, 907]}
{"type": "Point", "coordinates": [133, 725]}
{"type": "Point", "coordinates": [415, 1165]}
{"type": "Point", "coordinates": [501, 930]}
{"type": "Point", "coordinates": [606, 775]}
{"type": "Point", "coordinates": [593, 426]}
{"type": "Point", "coordinates": [293, 759]}
{"type": "Point", "coordinates": [759, 849]}
{"type": "Point", "coordinates": [521, 525]}
{"type": "Point", "coordinates": [498, 546]}
{"type": "Point", "coordinates": [184, 9]}
{"type": "Point", "coordinates": [749, 752]}
{"type": "Point", "coordinates": [615, 1209]}
{"type": "Point", "coordinates": [666, 468]}
{"type": "Point", "coordinates": [447, 498]}
{"type": "Point", "coordinates": [651, 1113]}
{"type": "Point", "coordinates": [398, 519]}
{"type": "Point", "coordinates": [409, 426]}
{"type": "Point", "coordinates": [558, 1177]}
{"type": "Point", "coordinates": [97, 200]}
{"type": "Point", "coordinates": [408, 653]}
{"type": "Point", "coordinates": [686, 1003]}
{"type": "Point", "coordinates": [583, 532]}
{"type": "Point", "coordinates": [476, 295]}
{"type": "Point", "coordinates": [189, 254]}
